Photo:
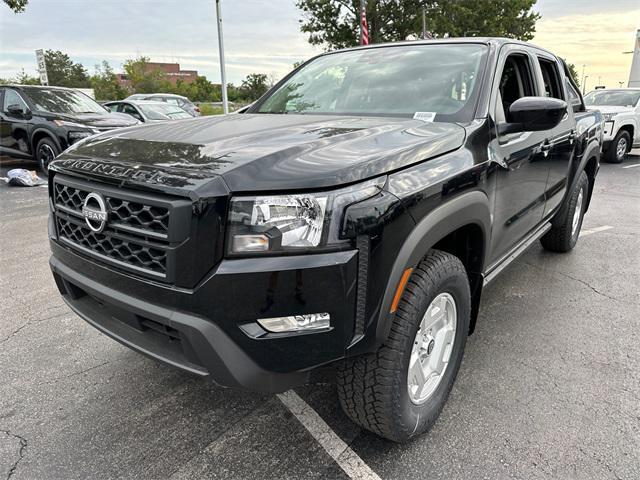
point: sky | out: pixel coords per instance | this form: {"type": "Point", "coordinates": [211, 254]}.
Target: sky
{"type": "Point", "coordinates": [263, 36]}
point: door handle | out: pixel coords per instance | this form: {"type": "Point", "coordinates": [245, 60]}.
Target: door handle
{"type": "Point", "coordinates": [545, 147]}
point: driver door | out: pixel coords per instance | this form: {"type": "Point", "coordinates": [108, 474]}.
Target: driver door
{"type": "Point", "coordinates": [521, 174]}
{"type": "Point", "coordinates": [14, 127]}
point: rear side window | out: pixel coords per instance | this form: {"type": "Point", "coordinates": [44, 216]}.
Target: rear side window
{"type": "Point", "coordinates": [572, 96]}
{"type": "Point", "coordinates": [551, 79]}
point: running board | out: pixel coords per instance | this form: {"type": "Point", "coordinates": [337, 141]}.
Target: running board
{"type": "Point", "coordinates": [515, 253]}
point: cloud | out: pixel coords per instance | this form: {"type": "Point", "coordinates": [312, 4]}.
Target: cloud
{"type": "Point", "coordinates": [596, 40]}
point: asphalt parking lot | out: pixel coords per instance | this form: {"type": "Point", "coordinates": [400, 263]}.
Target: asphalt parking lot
{"type": "Point", "coordinates": [549, 386]}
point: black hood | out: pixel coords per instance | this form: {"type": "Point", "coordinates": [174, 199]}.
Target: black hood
{"type": "Point", "coordinates": [97, 120]}
{"type": "Point", "coordinates": [259, 152]}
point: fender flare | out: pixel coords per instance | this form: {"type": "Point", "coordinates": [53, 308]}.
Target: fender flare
{"type": "Point", "coordinates": [592, 150]}
{"type": "Point", "coordinates": [49, 133]}
{"type": "Point", "coordinates": [469, 208]}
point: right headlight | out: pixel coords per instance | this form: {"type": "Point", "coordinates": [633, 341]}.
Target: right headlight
{"type": "Point", "coordinates": [292, 222]}
{"type": "Point", "coordinates": [608, 116]}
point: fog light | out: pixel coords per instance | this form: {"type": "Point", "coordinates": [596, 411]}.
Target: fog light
{"type": "Point", "coordinates": [296, 323]}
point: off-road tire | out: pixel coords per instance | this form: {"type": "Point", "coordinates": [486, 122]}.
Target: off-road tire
{"type": "Point", "coordinates": [561, 238]}
{"type": "Point", "coordinates": [44, 149]}
{"type": "Point", "coordinates": [373, 388]}
{"type": "Point", "coordinates": [611, 155]}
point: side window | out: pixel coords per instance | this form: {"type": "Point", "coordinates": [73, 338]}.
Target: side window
{"type": "Point", "coordinates": [573, 96]}
{"type": "Point", "coordinates": [551, 79]}
{"type": "Point", "coordinates": [11, 97]}
{"type": "Point", "coordinates": [130, 110]}
{"type": "Point", "coordinates": [516, 82]}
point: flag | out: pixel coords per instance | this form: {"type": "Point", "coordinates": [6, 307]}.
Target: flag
{"type": "Point", "coordinates": [364, 28]}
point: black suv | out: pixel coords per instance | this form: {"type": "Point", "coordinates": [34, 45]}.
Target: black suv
{"type": "Point", "coordinates": [40, 122]}
{"type": "Point", "coordinates": [351, 216]}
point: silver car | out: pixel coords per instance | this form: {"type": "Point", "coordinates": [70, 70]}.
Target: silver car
{"type": "Point", "coordinates": [183, 102]}
{"type": "Point", "coordinates": [146, 111]}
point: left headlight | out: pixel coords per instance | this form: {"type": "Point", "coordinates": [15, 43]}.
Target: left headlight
{"type": "Point", "coordinates": [74, 136]}
{"type": "Point", "coordinates": [293, 222]}
{"type": "Point", "coordinates": [608, 116]}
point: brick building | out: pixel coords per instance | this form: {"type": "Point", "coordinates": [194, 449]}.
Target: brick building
{"type": "Point", "coordinates": [171, 70]}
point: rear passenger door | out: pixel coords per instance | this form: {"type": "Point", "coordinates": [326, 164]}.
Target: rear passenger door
{"type": "Point", "coordinates": [561, 138]}
{"type": "Point", "coordinates": [521, 176]}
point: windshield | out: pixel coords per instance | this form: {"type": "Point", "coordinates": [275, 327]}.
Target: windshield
{"type": "Point", "coordinates": [612, 98]}
{"type": "Point", "coordinates": [440, 81]}
{"type": "Point", "coordinates": [163, 112]}
{"type": "Point", "coordinates": [62, 101]}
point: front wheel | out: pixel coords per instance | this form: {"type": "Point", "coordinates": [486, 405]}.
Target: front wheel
{"type": "Point", "coordinates": [399, 391]}
{"type": "Point", "coordinates": [46, 152]}
{"type": "Point", "coordinates": [618, 148]}
{"type": "Point", "coordinates": [564, 236]}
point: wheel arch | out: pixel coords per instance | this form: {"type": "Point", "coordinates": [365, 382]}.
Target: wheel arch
{"type": "Point", "coordinates": [462, 227]}
{"type": "Point", "coordinates": [630, 129]}
{"type": "Point", "coordinates": [40, 133]}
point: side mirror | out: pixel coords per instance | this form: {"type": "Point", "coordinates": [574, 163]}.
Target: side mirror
{"type": "Point", "coordinates": [107, 108]}
{"type": "Point", "coordinates": [533, 114]}
{"type": "Point", "coordinates": [16, 109]}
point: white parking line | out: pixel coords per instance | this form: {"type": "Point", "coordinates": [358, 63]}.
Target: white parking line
{"type": "Point", "coordinates": [584, 233]}
{"type": "Point", "coordinates": [346, 458]}
{"type": "Point", "coordinates": [631, 166]}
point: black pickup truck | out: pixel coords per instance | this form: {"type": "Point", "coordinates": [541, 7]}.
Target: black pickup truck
{"type": "Point", "coordinates": [351, 216]}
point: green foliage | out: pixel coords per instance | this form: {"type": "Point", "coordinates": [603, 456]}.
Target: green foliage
{"type": "Point", "coordinates": [105, 84]}
{"type": "Point", "coordinates": [206, 109]}
{"type": "Point", "coordinates": [254, 86]}
{"type": "Point", "coordinates": [144, 79]}
{"type": "Point", "coordinates": [17, 5]}
{"type": "Point", "coordinates": [22, 78]}
{"type": "Point", "coordinates": [64, 72]}
{"type": "Point", "coordinates": [573, 72]}
{"type": "Point", "coordinates": [335, 23]}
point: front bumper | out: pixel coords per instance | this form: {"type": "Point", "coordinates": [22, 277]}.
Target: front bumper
{"type": "Point", "coordinates": [211, 330]}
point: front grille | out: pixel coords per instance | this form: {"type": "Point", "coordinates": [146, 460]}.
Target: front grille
{"type": "Point", "coordinates": [143, 232]}
{"type": "Point", "coordinates": [124, 213]}
{"type": "Point", "coordinates": [130, 253]}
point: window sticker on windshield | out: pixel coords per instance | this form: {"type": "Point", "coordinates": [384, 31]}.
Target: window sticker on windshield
{"type": "Point", "coordinates": [425, 116]}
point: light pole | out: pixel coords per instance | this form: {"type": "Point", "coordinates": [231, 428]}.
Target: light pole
{"type": "Point", "coordinates": [223, 76]}
{"type": "Point", "coordinates": [584, 84]}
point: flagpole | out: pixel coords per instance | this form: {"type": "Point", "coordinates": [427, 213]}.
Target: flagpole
{"type": "Point", "coordinates": [223, 76]}
{"type": "Point", "coordinates": [362, 8]}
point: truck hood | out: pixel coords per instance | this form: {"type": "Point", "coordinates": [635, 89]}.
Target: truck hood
{"type": "Point", "coordinates": [258, 152]}
{"type": "Point", "coordinates": [96, 120]}
{"type": "Point", "coordinates": [612, 109]}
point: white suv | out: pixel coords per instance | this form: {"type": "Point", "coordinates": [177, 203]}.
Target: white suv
{"type": "Point", "coordinates": [620, 108]}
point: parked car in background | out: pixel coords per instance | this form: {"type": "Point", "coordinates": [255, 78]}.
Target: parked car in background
{"type": "Point", "coordinates": [146, 111]}
{"type": "Point", "coordinates": [183, 102]}
{"type": "Point", "coordinates": [39, 122]}
{"type": "Point", "coordinates": [621, 110]}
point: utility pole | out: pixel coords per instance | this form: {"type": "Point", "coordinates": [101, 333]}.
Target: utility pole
{"type": "Point", "coordinates": [424, 23]}
{"type": "Point", "coordinates": [223, 76]}
{"type": "Point", "coordinates": [583, 77]}
{"type": "Point", "coordinates": [584, 84]}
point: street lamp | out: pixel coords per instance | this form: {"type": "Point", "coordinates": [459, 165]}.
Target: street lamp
{"type": "Point", "coordinates": [223, 76]}
{"type": "Point", "coordinates": [584, 84]}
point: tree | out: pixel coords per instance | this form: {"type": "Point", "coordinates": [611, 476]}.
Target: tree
{"type": "Point", "coordinates": [64, 72]}
{"type": "Point", "coordinates": [144, 78]}
{"type": "Point", "coordinates": [573, 72]}
{"type": "Point", "coordinates": [335, 23]}
{"type": "Point", "coordinates": [23, 78]}
{"type": "Point", "coordinates": [17, 5]}
{"type": "Point", "coordinates": [254, 86]}
{"type": "Point", "coordinates": [105, 84]}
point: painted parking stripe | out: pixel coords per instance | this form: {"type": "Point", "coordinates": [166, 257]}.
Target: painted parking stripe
{"type": "Point", "coordinates": [632, 166]}
{"type": "Point", "coordinates": [344, 456]}
{"type": "Point", "coordinates": [584, 233]}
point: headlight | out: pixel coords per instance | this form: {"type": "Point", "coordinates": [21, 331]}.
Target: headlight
{"type": "Point", "coordinates": [296, 222]}
{"type": "Point", "coordinates": [608, 116]}
{"type": "Point", "coordinates": [75, 136]}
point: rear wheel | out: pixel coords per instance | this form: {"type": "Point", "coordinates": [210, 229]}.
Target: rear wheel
{"type": "Point", "coordinates": [618, 148]}
{"type": "Point", "coordinates": [46, 152]}
{"type": "Point", "coordinates": [564, 236]}
{"type": "Point", "coordinates": [399, 391]}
